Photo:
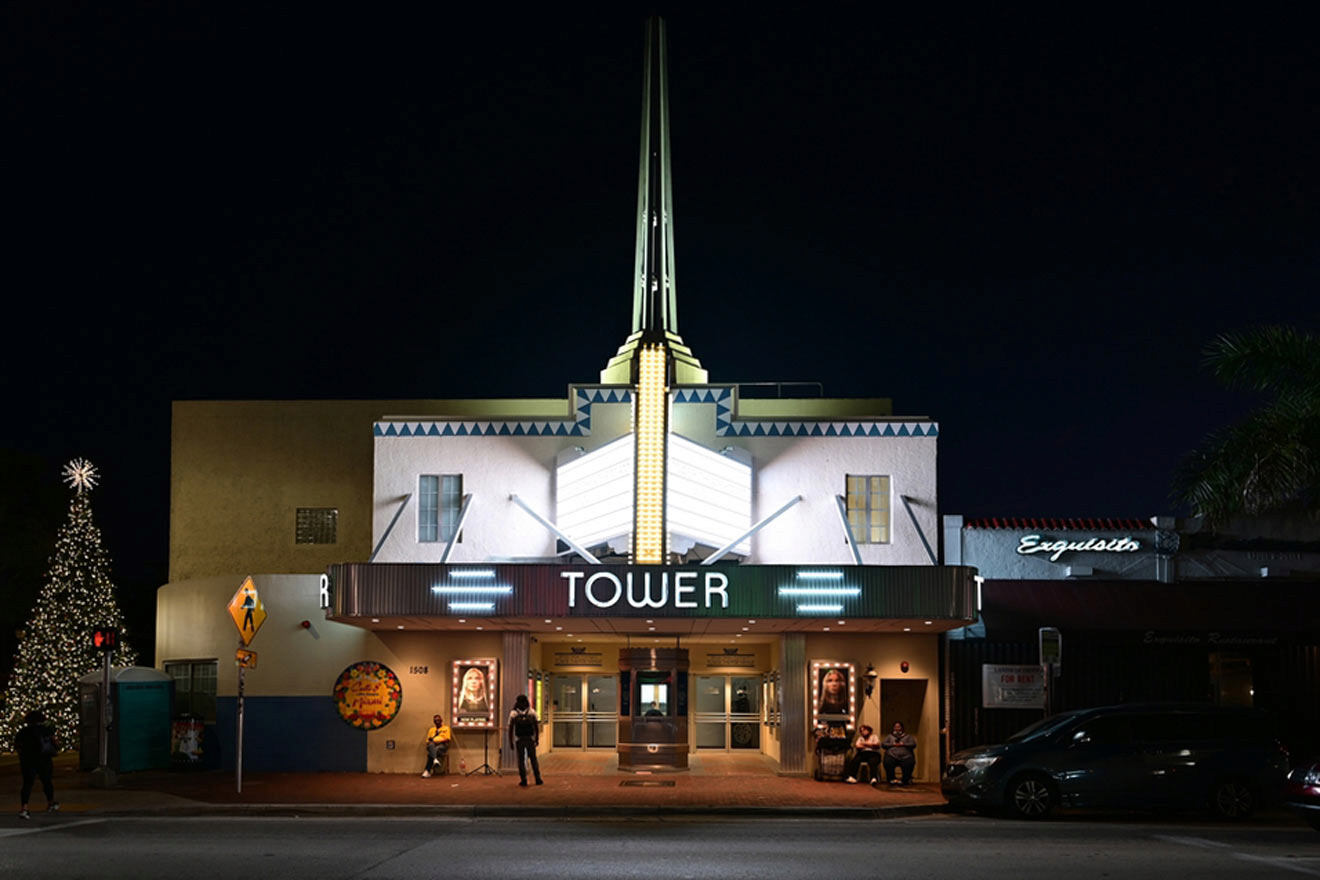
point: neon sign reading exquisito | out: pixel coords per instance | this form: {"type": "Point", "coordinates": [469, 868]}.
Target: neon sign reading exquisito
{"type": "Point", "coordinates": [1029, 544]}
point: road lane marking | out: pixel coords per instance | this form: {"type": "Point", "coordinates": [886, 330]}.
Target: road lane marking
{"type": "Point", "coordinates": [1290, 863]}
{"type": "Point", "coordinates": [37, 829]}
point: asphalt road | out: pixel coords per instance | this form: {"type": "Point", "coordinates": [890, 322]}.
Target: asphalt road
{"type": "Point", "coordinates": [293, 848]}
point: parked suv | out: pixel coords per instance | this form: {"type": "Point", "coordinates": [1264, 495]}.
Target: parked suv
{"type": "Point", "coordinates": [1166, 756]}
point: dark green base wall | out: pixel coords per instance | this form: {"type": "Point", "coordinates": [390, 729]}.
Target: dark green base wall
{"type": "Point", "coordinates": [289, 734]}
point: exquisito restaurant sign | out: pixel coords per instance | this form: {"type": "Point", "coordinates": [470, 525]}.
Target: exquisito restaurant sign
{"type": "Point", "coordinates": [514, 590]}
{"type": "Point", "coordinates": [1029, 545]}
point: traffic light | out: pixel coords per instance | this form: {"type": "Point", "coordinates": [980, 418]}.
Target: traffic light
{"type": "Point", "coordinates": [105, 638]}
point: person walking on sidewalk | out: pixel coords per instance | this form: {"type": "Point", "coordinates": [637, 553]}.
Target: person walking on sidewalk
{"type": "Point", "coordinates": [36, 746]}
{"type": "Point", "coordinates": [525, 736]}
{"type": "Point", "coordinates": [899, 747]}
{"type": "Point", "coordinates": [437, 744]}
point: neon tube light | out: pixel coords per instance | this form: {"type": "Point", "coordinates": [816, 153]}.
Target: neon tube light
{"type": "Point", "coordinates": [820, 591]}
{"type": "Point", "coordinates": [816, 609]}
{"type": "Point", "coordinates": [499, 589]}
{"type": "Point", "coordinates": [473, 573]}
{"type": "Point", "coordinates": [471, 606]}
{"type": "Point", "coordinates": [820, 575]}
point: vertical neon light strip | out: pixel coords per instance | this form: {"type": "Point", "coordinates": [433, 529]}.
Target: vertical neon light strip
{"type": "Point", "coordinates": [650, 427]}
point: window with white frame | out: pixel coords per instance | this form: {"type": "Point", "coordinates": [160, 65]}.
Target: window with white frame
{"type": "Point", "coordinates": [439, 500]}
{"type": "Point", "coordinates": [868, 508]}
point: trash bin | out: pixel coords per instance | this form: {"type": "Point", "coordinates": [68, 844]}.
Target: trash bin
{"type": "Point", "coordinates": [186, 740]}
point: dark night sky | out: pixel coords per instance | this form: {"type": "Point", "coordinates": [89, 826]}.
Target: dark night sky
{"type": "Point", "coordinates": [1025, 228]}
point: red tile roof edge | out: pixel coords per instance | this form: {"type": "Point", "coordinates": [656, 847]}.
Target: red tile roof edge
{"type": "Point", "coordinates": [1063, 524]}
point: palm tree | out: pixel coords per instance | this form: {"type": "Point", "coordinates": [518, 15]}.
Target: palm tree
{"type": "Point", "coordinates": [1270, 460]}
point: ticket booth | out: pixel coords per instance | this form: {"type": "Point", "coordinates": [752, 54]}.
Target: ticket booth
{"type": "Point", "coordinates": [653, 710]}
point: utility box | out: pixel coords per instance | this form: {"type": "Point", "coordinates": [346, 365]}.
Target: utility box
{"type": "Point", "coordinates": [141, 710]}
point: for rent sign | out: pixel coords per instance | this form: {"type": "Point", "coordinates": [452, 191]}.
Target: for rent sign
{"type": "Point", "coordinates": [1012, 687]}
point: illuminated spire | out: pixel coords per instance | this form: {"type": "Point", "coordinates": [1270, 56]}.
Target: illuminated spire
{"type": "Point", "coordinates": [655, 302]}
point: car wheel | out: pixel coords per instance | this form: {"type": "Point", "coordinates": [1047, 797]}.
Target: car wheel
{"type": "Point", "coordinates": [1031, 796]}
{"type": "Point", "coordinates": [1232, 799]}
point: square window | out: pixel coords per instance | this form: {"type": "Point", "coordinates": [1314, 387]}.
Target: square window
{"type": "Point", "coordinates": [194, 687]}
{"type": "Point", "coordinates": [868, 508]}
{"type": "Point", "coordinates": [317, 525]}
{"type": "Point", "coordinates": [439, 502]}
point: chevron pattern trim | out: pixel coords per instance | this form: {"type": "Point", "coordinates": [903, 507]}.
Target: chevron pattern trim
{"type": "Point", "coordinates": [587, 396]}
{"type": "Point", "coordinates": [584, 398]}
{"type": "Point", "coordinates": [826, 429]}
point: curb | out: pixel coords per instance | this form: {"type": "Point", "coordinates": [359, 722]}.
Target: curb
{"type": "Point", "coordinates": [510, 811]}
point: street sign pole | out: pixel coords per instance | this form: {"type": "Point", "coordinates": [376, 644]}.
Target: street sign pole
{"type": "Point", "coordinates": [238, 764]}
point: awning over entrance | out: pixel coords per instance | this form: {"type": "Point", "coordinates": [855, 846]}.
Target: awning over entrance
{"type": "Point", "coordinates": [935, 598]}
{"type": "Point", "coordinates": [1258, 606]}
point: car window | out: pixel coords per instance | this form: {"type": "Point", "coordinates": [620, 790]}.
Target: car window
{"type": "Point", "coordinates": [1106, 730]}
{"type": "Point", "coordinates": [1044, 728]}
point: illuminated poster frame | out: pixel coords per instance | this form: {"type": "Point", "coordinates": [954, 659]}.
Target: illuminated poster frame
{"type": "Point", "coordinates": [828, 705]}
{"type": "Point", "coordinates": [475, 696]}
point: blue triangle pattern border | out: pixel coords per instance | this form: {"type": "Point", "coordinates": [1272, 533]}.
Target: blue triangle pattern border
{"type": "Point", "coordinates": [584, 398]}
{"type": "Point", "coordinates": [724, 427]}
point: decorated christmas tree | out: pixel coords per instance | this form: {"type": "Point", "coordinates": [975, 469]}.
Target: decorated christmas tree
{"type": "Point", "coordinates": [55, 648]}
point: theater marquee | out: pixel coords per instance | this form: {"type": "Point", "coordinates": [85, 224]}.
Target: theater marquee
{"type": "Point", "coordinates": [363, 590]}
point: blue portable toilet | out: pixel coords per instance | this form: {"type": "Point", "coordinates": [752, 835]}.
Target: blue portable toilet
{"type": "Point", "coordinates": [141, 701]}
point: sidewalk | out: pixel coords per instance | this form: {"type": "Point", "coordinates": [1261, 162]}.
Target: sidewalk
{"type": "Point", "coordinates": [574, 787]}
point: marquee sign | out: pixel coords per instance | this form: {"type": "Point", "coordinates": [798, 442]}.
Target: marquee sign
{"type": "Point", "coordinates": [943, 593]}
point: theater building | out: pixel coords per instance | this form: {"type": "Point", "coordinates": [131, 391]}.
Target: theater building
{"type": "Point", "coordinates": [666, 566]}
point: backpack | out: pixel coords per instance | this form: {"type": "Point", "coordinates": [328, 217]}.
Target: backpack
{"type": "Point", "coordinates": [524, 725]}
{"type": "Point", "coordinates": [47, 742]}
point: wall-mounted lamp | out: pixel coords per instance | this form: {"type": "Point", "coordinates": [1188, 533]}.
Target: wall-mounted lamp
{"type": "Point", "coordinates": [871, 676]}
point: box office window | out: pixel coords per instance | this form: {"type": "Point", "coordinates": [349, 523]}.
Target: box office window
{"type": "Point", "coordinates": [194, 687]}
{"type": "Point", "coordinates": [439, 500]}
{"type": "Point", "coordinates": [868, 508]}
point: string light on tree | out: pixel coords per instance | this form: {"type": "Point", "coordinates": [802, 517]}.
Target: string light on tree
{"type": "Point", "coordinates": [78, 597]}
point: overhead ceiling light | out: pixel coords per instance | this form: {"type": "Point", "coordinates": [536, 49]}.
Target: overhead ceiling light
{"type": "Point", "coordinates": [375, 620]}
{"type": "Point", "coordinates": [744, 629]}
{"type": "Point", "coordinates": [907, 629]}
{"type": "Point", "coordinates": [559, 629]}
{"type": "Point", "coordinates": [928, 623]}
{"type": "Point", "coordinates": [751, 621]}
{"type": "Point", "coordinates": [400, 626]}
{"type": "Point", "coordinates": [547, 620]}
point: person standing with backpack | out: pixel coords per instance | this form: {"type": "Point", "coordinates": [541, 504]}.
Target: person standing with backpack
{"type": "Point", "coordinates": [36, 745]}
{"type": "Point", "coordinates": [525, 736]}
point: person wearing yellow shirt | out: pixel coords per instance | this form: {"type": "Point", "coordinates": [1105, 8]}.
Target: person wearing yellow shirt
{"type": "Point", "coordinates": [437, 743]}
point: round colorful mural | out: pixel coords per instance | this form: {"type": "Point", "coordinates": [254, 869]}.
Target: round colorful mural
{"type": "Point", "coordinates": [368, 695]}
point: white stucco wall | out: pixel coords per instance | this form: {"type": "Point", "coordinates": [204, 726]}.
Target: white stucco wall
{"type": "Point", "coordinates": [495, 467]}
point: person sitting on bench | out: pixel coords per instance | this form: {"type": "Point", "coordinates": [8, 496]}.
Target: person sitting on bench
{"type": "Point", "coordinates": [867, 746]}
{"type": "Point", "coordinates": [899, 747]}
{"type": "Point", "coordinates": [437, 744]}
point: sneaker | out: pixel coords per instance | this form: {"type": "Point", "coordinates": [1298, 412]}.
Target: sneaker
{"type": "Point", "coordinates": [540, 782]}
{"type": "Point", "coordinates": [24, 814]}
{"type": "Point", "coordinates": [851, 780]}
{"type": "Point", "coordinates": [426, 774]}
{"type": "Point", "coordinates": [53, 808]}
{"type": "Point", "coordinates": [522, 784]}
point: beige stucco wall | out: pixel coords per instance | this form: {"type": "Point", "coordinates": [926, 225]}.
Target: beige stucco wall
{"type": "Point", "coordinates": [886, 652]}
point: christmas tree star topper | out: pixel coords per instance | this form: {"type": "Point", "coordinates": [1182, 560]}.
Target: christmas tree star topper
{"type": "Point", "coordinates": [81, 475]}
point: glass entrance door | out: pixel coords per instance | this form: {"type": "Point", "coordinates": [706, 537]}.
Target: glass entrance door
{"type": "Point", "coordinates": [728, 712]}
{"type": "Point", "coordinates": [586, 709]}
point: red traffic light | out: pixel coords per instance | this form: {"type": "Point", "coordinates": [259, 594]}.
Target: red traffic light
{"type": "Point", "coordinates": [105, 638]}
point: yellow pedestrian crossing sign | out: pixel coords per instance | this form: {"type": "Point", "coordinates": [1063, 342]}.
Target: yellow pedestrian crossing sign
{"type": "Point", "coordinates": [246, 609]}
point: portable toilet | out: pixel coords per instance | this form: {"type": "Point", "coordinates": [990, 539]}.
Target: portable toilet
{"type": "Point", "coordinates": [141, 701]}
